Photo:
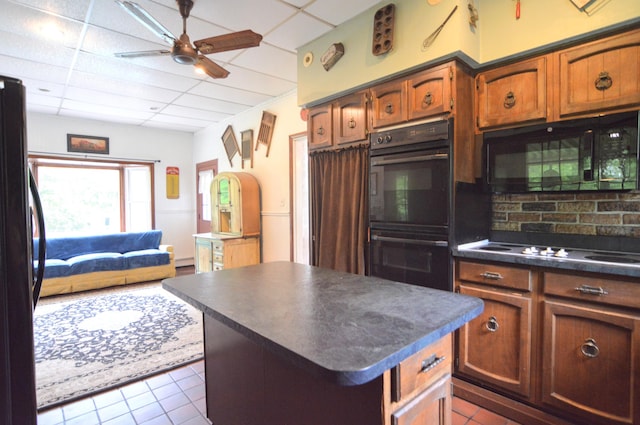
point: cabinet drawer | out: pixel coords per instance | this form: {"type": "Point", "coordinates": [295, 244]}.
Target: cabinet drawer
{"type": "Point", "coordinates": [421, 369]}
{"type": "Point", "coordinates": [495, 275]}
{"type": "Point", "coordinates": [596, 289]}
{"type": "Point", "coordinates": [432, 406]}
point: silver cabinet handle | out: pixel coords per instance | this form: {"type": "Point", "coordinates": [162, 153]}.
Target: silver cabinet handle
{"type": "Point", "coordinates": [431, 362]}
{"type": "Point", "coordinates": [492, 275]}
{"type": "Point", "coordinates": [590, 349]}
{"type": "Point", "coordinates": [492, 324]}
{"type": "Point", "coordinates": [591, 290]}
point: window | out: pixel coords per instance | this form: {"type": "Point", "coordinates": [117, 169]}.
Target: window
{"type": "Point", "coordinates": [93, 197]}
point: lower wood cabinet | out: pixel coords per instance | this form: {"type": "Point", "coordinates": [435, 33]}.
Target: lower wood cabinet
{"type": "Point", "coordinates": [565, 352]}
{"type": "Point", "coordinates": [591, 351]}
{"type": "Point", "coordinates": [219, 252]}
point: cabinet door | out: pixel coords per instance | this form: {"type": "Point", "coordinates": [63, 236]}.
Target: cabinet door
{"type": "Point", "coordinates": [601, 75]}
{"type": "Point", "coordinates": [320, 127]}
{"type": "Point", "coordinates": [432, 406]}
{"type": "Point", "coordinates": [429, 93]}
{"type": "Point", "coordinates": [590, 363]}
{"type": "Point", "coordinates": [350, 118]}
{"type": "Point", "coordinates": [495, 347]}
{"type": "Point", "coordinates": [389, 103]}
{"type": "Point", "coordinates": [512, 94]}
{"type": "Point", "coordinates": [204, 255]}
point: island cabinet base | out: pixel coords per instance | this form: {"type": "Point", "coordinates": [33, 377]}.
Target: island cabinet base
{"type": "Point", "coordinates": [247, 384]}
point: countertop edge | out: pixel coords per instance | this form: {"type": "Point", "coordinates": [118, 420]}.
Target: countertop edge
{"type": "Point", "coordinates": [345, 378]}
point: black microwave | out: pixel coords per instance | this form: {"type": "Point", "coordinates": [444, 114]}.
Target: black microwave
{"type": "Point", "coordinates": [579, 155]}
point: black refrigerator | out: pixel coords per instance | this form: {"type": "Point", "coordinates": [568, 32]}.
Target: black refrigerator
{"type": "Point", "coordinates": [19, 204]}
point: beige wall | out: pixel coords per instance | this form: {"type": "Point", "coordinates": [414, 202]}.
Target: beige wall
{"type": "Point", "coordinates": [272, 172]}
{"type": "Point", "coordinates": [498, 34]}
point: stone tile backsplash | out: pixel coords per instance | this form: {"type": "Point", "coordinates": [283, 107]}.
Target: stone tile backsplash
{"type": "Point", "coordinates": [595, 214]}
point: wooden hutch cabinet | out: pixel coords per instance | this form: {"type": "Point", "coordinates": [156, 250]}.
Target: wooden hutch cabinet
{"type": "Point", "coordinates": [320, 127]}
{"type": "Point", "coordinates": [234, 240]}
{"type": "Point", "coordinates": [389, 103]}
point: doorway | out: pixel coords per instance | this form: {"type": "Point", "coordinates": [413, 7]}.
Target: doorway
{"type": "Point", "coordinates": [205, 172]}
{"type": "Point", "coordinates": [299, 196]}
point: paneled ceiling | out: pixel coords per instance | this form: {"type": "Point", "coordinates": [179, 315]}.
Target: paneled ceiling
{"type": "Point", "coordinates": [63, 51]}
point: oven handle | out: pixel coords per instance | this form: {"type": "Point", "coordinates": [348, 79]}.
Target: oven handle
{"type": "Point", "coordinates": [432, 157]}
{"type": "Point", "coordinates": [411, 241]}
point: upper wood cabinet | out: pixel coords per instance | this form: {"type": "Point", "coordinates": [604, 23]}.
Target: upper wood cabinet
{"type": "Point", "coordinates": [389, 103]}
{"type": "Point", "coordinates": [350, 118]}
{"type": "Point", "coordinates": [430, 92]}
{"type": "Point", "coordinates": [340, 122]}
{"type": "Point", "coordinates": [512, 94]}
{"type": "Point", "coordinates": [320, 127]}
{"type": "Point", "coordinates": [600, 75]}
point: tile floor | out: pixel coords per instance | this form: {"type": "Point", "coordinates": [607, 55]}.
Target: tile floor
{"type": "Point", "coordinates": [178, 398]}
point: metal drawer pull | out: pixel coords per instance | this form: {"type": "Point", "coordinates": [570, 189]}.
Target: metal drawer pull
{"type": "Point", "coordinates": [431, 362]}
{"type": "Point", "coordinates": [509, 100]}
{"type": "Point", "coordinates": [389, 108]}
{"type": "Point", "coordinates": [491, 275]}
{"type": "Point", "coordinates": [591, 290]}
{"type": "Point", "coordinates": [590, 349]}
{"type": "Point", "coordinates": [492, 325]}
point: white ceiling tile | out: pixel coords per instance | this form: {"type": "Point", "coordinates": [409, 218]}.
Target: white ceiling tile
{"type": "Point", "coordinates": [122, 87]}
{"type": "Point", "coordinates": [259, 16]}
{"type": "Point", "coordinates": [297, 31]}
{"type": "Point", "coordinates": [22, 69]}
{"type": "Point", "coordinates": [258, 82]}
{"type": "Point", "coordinates": [92, 115]}
{"type": "Point", "coordinates": [116, 101]}
{"type": "Point", "coordinates": [75, 9]}
{"type": "Point", "coordinates": [271, 61]}
{"type": "Point", "coordinates": [211, 105]}
{"type": "Point", "coordinates": [194, 113]}
{"type": "Point", "coordinates": [113, 111]}
{"type": "Point", "coordinates": [220, 92]}
{"type": "Point", "coordinates": [339, 11]}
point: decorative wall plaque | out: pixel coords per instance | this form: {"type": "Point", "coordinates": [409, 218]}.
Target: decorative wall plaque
{"type": "Point", "coordinates": [230, 143]}
{"type": "Point", "coordinates": [265, 134]}
{"type": "Point", "coordinates": [246, 142]}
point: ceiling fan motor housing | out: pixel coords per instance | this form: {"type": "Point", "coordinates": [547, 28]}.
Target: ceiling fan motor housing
{"type": "Point", "coordinates": [183, 52]}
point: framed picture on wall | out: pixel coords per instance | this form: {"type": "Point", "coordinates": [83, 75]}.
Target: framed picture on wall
{"type": "Point", "coordinates": [87, 144]}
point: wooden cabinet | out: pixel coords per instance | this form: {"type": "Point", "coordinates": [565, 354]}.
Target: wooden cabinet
{"type": "Point", "coordinates": [591, 351]}
{"type": "Point", "coordinates": [320, 127]}
{"type": "Point", "coordinates": [495, 347]}
{"type": "Point", "coordinates": [430, 92]}
{"type": "Point", "coordinates": [389, 103]}
{"type": "Point", "coordinates": [420, 387]}
{"type": "Point", "coordinates": [219, 252]}
{"type": "Point", "coordinates": [338, 123]}
{"type": "Point", "coordinates": [569, 351]}
{"type": "Point", "coordinates": [512, 94]}
{"type": "Point", "coordinates": [350, 119]}
{"type": "Point", "coordinates": [600, 76]}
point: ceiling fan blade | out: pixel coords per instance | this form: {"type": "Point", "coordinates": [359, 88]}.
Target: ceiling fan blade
{"type": "Point", "coordinates": [142, 53]}
{"type": "Point", "coordinates": [142, 16]}
{"type": "Point", "coordinates": [211, 68]}
{"type": "Point", "coordinates": [232, 41]}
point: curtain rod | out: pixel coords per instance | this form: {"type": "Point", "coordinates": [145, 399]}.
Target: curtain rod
{"type": "Point", "coordinates": [85, 156]}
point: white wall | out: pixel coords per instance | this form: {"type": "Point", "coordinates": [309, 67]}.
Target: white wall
{"type": "Point", "coordinates": [175, 217]}
{"type": "Point", "coordinates": [272, 172]}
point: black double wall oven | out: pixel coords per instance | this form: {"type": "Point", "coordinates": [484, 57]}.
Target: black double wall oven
{"type": "Point", "coordinates": [410, 204]}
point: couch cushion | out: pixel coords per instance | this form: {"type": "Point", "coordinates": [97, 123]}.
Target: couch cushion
{"type": "Point", "coordinates": [55, 268]}
{"type": "Point", "coordinates": [146, 258]}
{"type": "Point", "coordinates": [96, 262]}
{"type": "Point", "coordinates": [68, 247]}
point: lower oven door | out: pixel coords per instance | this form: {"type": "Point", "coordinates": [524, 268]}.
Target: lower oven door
{"type": "Point", "coordinates": [411, 258]}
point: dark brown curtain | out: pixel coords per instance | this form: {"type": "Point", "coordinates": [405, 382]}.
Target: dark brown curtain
{"type": "Point", "coordinates": [339, 187]}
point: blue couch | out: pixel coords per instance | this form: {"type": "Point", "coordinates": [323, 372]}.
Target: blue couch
{"type": "Point", "coordinates": [90, 262]}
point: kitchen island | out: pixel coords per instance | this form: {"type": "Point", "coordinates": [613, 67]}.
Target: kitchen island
{"type": "Point", "coordinates": [287, 343]}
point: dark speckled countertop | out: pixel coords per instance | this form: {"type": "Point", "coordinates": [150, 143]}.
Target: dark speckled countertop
{"type": "Point", "coordinates": [344, 327]}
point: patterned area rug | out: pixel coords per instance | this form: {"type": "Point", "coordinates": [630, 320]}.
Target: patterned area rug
{"type": "Point", "coordinates": [86, 343]}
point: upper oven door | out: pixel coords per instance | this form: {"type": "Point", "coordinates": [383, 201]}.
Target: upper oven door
{"type": "Point", "coordinates": [410, 188]}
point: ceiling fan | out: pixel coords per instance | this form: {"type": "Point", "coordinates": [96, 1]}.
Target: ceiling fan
{"type": "Point", "coordinates": [182, 51]}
